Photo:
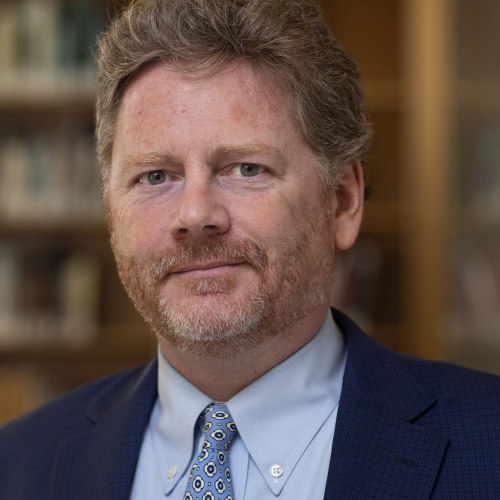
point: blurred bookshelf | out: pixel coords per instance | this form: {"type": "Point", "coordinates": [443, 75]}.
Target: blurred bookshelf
{"type": "Point", "coordinates": [432, 229]}
{"type": "Point", "coordinates": [474, 312]}
{"type": "Point", "coordinates": [409, 280]}
{"type": "Point", "coordinates": [369, 283]}
{"type": "Point", "coordinates": [64, 317]}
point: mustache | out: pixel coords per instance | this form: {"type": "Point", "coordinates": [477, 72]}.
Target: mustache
{"type": "Point", "coordinates": [213, 247]}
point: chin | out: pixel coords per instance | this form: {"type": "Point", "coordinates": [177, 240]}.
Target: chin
{"type": "Point", "coordinates": [215, 324]}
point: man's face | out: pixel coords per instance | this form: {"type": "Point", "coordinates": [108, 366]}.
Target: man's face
{"type": "Point", "coordinates": [221, 235]}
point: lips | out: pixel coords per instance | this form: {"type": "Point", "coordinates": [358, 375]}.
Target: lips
{"type": "Point", "coordinates": [204, 266]}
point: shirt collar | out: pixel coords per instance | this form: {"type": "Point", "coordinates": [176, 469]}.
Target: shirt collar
{"type": "Point", "coordinates": [277, 416]}
{"type": "Point", "coordinates": [173, 427]}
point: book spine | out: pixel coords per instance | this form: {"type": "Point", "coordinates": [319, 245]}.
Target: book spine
{"type": "Point", "coordinates": [49, 176]}
{"type": "Point", "coordinates": [48, 41]}
{"type": "Point", "coordinates": [47, 297]}
{"type": "Point", "coordinates": [8, 38]}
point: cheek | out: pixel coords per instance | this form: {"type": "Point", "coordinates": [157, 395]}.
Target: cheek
{"type": "Point", "coordinates": [266, 219]}
{"type": "Point", "coordinates": [141, 228]}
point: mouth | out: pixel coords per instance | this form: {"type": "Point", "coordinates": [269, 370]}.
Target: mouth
{"type": "Point", "coordinates": [207, 269]}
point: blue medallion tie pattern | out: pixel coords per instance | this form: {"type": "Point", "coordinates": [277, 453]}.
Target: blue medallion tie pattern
{"type": "Point", "coordinates": [209, 477]}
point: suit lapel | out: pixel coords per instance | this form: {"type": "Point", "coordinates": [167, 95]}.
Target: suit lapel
{"type": "Point", "coordinates": [99, 463]}
{"type": "Point", "coordinates": [379, 452]}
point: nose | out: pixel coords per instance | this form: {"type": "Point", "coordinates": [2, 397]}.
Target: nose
{"type": "Point", "coordinates": [200, 211]}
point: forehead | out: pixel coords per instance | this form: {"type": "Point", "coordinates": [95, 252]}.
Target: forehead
{"type": "Point", "coordinates": [159, 92]}
{"type": "Point", "coordinates": [240, 79]}
{"type": "Point", "coordinates": [185, 117]}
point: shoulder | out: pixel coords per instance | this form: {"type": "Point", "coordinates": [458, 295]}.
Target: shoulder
{"type": "Point", "coordinates": [413, 402]}
{"type": "Point", "coordinates": [448, 379]}
{"type": "Point", "coordinates": [465, 399]}
{"type": "Point", "coordinates": [370, 361]}
{"type": "Point", "coordinates": [419, 389]}
{"type": "Point", "coordinates": [67, 413]}
{"type": "Point", "coordinates": [29, 444]}
{"type": "Point", "coordinates": [466, 412]}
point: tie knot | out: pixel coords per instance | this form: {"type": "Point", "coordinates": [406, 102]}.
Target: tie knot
{"type": "Point", "coordinates": [220, 428]}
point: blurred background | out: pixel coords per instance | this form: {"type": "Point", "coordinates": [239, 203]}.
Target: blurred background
{"type": "Point", "coordinates": [424, 276]}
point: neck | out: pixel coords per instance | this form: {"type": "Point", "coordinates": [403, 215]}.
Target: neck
{"type": "Point", "coordinates": [222, 378]}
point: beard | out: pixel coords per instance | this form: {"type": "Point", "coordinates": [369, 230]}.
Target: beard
{"type": "Point", "coordinates": [291, 282]}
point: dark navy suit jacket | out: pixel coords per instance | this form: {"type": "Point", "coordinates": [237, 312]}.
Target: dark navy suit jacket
{"type": "Point", "coordinates": [406, 429]}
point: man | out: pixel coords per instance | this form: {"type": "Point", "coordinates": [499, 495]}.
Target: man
{"type": "Point", "coordinates": [231, 135]}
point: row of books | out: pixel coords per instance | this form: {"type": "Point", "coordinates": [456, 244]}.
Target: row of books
{"type": "Point", "coordinates": [48, 36]}
{"type": "Point", "coordinates": [482, 176]}
{"type": "Point", "coordinates": [48, 296]}
{"type": "Point", "coordinates": [49, 175]}
{"type": "Point", "coordinates": [475, 294]}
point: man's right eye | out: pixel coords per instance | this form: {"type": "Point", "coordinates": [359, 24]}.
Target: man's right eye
{"type": "Point", "coordinates": [153, 178]}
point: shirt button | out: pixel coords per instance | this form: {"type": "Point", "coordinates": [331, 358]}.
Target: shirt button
{"type": "Point", "coordinates": [172, 471]}
{"type": "Point", "coordinates": [276, 471]}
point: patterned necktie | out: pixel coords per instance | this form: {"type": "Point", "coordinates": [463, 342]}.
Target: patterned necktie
{"type": "Point", "coordinates": [209, 477]}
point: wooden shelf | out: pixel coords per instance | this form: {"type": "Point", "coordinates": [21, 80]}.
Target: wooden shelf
{"type": "Point", "coordinates": [66, 228]}
{"type": "Point", "coordinates": [112, 342]}
{"type": "Point", "coordinates": [381, 217]}
{"type": "Point", "coordinates": [32, 93]}
{"type": "Point", "coordinates": [59, 94]}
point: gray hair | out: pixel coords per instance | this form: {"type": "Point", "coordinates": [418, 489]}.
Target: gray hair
{"type": "Point", "coordinates": [287, 39]}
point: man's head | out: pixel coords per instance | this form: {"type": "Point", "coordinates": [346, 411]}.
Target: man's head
{"type": "Point", "coordinates": [214, 155]}
{"type": "Point", "coordinates": [286, 39]}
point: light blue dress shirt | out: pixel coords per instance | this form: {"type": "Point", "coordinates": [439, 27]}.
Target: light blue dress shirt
{"type": "Point", "coordinates": [286, 417]}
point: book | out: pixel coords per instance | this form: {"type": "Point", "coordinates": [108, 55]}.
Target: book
{"type": "Point", "coordinates": [8, 38]}
{"type": "Point", "coordinates": [48, 44]}
{"type": "Point", "coordinates": [49, 175]}
{"type": "Point", "coordinates": [475, 296]}
{"type": "Point", "coordinates": [48, 296]}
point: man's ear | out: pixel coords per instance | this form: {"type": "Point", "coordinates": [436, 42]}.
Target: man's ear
{"type": "Point", "coordinates": [349, 196]}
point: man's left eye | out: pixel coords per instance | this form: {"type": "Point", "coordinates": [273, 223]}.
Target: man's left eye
{"type": "Point", "coordinates": [153, 178]}
{"type": "Point", "coordinates": [248, 169]}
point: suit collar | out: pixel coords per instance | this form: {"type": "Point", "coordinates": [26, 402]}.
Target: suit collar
{"type": "Point", "coordinates": [379, 451]}
{"type": "Point", "coordinates": [381, 376]}
{"type": "Point", "coordinates": [99, 463]}
{"type": "Point", "coordinates": [140, 388]}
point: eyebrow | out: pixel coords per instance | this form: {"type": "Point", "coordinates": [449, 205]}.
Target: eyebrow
{"type": "Point", "coordinates": [159, 158]}
{"type": "Point", "coordinates": [156, 158]}
{"type": "Point", "coordinates": [247, 150]}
